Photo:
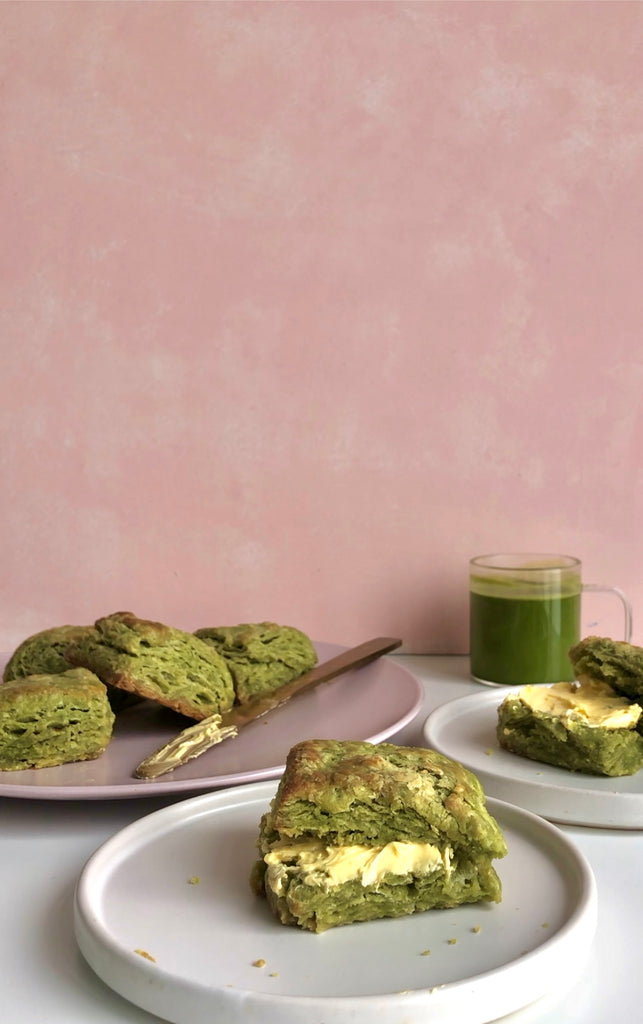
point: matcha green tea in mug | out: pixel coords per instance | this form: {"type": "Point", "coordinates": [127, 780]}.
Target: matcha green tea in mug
{"type": "Point", "coordinates": [525, 614]}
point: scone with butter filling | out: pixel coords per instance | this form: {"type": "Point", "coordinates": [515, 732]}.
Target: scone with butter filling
{"type": "Point", "coordinates": [358, 831]}
{"type": "Point", "coordinates": [584, 726]}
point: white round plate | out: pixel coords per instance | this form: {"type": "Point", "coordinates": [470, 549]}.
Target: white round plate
{"type": "Point", "coordinates": [370, 703]}
{"type": "Point", "coordinates": [465, 729]}
{"type": "Point", "coordinates": [165, 916]}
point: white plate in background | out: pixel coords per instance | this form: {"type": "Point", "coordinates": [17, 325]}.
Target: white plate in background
{"type": "Point", "coordinates": [465, 729]}
{"type": "Point", "coordinates": [370, 703]}
{"type": "Point", "coordinates": [173, 886]}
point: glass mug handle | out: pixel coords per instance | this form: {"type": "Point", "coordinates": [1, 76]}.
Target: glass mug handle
{"type": "Point", "coordinates": [627, 608]}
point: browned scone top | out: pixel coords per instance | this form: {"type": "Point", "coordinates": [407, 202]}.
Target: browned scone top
{"type": "Point", "coordinates": [358, 792]}
{"type": "Point", "coordinates": [156, 661]}
{"type": "Point", "coordinates": [610, 661]}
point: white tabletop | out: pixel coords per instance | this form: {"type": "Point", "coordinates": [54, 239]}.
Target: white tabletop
{"type": "Point", "coordinates": [45, 844]}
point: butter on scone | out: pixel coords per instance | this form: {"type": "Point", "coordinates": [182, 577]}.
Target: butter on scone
{"type": "Point", "coordinates": [358, 831]}
{"type": "Point", "coordinates": [48, 720]}
{"type": "Point", "coordinates": [584, 726]}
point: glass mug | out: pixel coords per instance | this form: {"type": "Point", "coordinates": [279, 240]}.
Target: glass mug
{"type": "Point", "coordinates": [525, 616]}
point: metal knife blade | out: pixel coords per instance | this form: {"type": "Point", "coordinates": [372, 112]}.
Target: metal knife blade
{"type": "Point", "coordinates": [198, 738]}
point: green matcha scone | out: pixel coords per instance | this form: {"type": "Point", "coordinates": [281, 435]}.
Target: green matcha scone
{"type": "Point", "coordinates": [48, 720]}
{"type": "Point", "coordinates": [583, 727]}
{"type": "Point", "coordinates": [261, 656]}
{"type": "Point", "coordinates": [357, 832]}
{"type": "Point", "coordinates": [44, 652]}
{"type": "Point", "coordinates": [610, 661]}
{"type": "Point", "coordinates": [152, 660]}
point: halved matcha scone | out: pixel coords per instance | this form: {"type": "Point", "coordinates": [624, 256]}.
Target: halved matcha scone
{"type": "Point", "coordinates": [358, 831]}
{"type": "Point", "coordinates": [44, 652]}
{"type": "Point", "coordinates": [48, 720]}
{"type": "Point", "coordinates": [584, 727]}
{"type": "Point", "coordinates": [262, 656]}
{"type": "Point", "coordinates": [160, 662]}
{"type": "Point", "coordinates": [611, 661]}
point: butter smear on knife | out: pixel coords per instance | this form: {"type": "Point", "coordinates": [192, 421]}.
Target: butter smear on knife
{"type": "Point", "coordinates": [191, 742]}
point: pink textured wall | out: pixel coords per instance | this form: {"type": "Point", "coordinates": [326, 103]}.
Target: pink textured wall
{"type": "Point", "coordinates": [302, 304]}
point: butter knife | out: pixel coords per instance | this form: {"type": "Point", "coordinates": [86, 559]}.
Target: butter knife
{"type": "Point", "coordinates": [198, 738]}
